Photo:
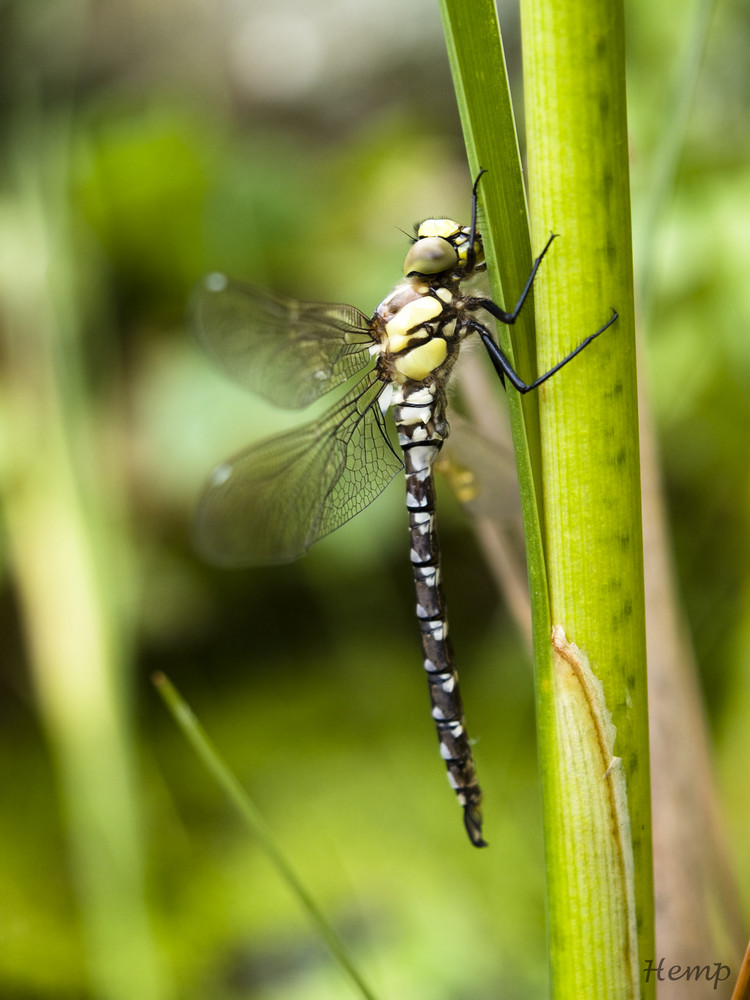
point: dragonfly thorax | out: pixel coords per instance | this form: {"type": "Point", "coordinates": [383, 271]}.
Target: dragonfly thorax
{"type": "Point", "coordinates": [415, 327]}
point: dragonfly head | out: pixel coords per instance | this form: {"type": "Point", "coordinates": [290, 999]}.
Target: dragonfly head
{"type": "Point", "coordinates": [442, 246]}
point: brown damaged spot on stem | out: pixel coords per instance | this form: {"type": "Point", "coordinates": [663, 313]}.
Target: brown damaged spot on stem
{"type": "Point", "coordinates": [586, 738]}
{"type": "Point", "coordinates": [591, 689]}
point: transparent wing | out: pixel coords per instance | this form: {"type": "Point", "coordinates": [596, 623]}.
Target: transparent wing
{"type": "Point", "coordinates": [481, 473]}
{"type": "Point", "coordinates": [285, 351]}
{"type": "Point", "coordinates": [271, 502]}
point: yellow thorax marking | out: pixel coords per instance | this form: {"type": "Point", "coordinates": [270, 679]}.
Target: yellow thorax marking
{"type": "Point", "coordinates": [422, 360]}
{"type": "Point", "coordinates": [400, 329]}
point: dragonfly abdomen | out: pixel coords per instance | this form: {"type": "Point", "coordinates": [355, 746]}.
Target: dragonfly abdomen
{"type": "Point", "coordinates": [421, 425]}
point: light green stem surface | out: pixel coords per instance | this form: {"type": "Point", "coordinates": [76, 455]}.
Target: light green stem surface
{"type": "Point", "coordinates": [579, 188]}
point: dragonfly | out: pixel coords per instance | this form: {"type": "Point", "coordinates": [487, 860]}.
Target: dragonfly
{"type": "Point", "coordinates": [272, 501]}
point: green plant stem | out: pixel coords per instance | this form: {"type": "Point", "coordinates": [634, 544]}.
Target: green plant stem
{"type": "Point", "coordinates": [217, 766]}
{"type": "Point", "coordinates": [477, 63]}
{"type": "Point", "coordinates": [579, 188]}
{"type": "Point", "coordinates": [576, 447]}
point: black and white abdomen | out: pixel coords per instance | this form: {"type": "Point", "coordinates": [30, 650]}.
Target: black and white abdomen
{"type": "Point", "coordinates": [419, 411]}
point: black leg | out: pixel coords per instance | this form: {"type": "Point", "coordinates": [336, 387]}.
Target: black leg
{"type": "Point", "coordinates": [505, 370]}
{"type": "Point", "coordinates": [501, 364]}
{"type": "Point", "coordinates": [494, 310]}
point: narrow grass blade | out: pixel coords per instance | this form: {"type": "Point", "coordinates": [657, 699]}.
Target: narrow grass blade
{"type": "Point", "coordinates": [208, 753]}
{"type": "Point", "coordinates": [480, 79]}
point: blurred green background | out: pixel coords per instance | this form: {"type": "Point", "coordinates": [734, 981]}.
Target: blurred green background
{"type": "Point", "coordinates": [144, 145]}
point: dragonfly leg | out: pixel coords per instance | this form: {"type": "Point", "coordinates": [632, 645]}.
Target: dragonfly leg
{"type": "Point", "coordinates": [505, 370]}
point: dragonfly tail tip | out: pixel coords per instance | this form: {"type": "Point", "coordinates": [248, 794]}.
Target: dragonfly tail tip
{"type": "Point", "coordinates": [473, 824]}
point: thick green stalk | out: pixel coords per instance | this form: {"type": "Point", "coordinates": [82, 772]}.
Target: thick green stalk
{"type": "Point", "coordinates": [578, 466]}
{"type": "Point", "coordinates": [579, 188]}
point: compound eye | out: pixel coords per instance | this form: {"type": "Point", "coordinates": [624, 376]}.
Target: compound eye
{"type": "Point", "coordinates": [430, 255]}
